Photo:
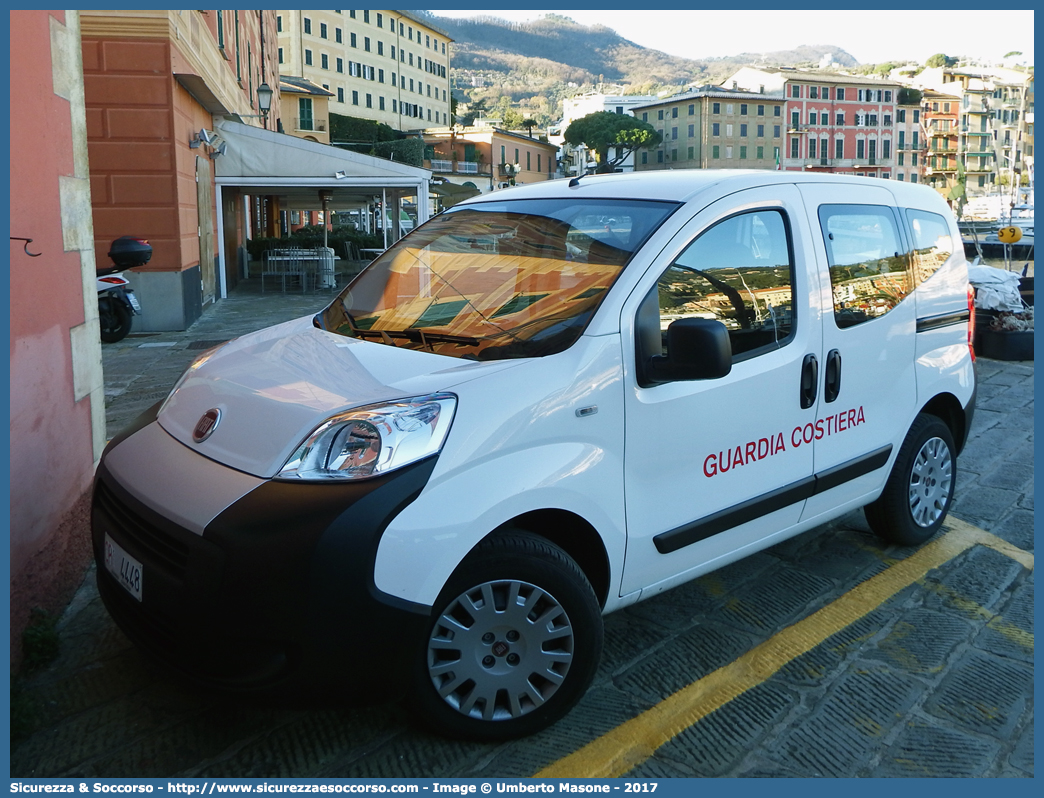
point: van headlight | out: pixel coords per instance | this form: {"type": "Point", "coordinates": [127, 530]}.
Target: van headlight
{"type": "Point", "coordinates": [371, 440]}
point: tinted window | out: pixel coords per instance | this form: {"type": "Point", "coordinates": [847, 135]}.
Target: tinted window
{"type": "Point", "coordinates": [932, 244]}
{"type": "Point", "coordinates": [869, 268]}
{"type": "Point", "coordinates": [738, 272]}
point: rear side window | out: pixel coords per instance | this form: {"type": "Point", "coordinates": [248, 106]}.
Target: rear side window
{"type": "Point", "coordinates": [869, 266]}
{"type": "Point", "coordinates": [932, 244]}
{"type": "Point", "coordinates": [740, 273]}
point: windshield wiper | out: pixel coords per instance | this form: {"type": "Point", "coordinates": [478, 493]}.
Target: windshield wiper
{"type": "Point", "coordinates": [416, 335]}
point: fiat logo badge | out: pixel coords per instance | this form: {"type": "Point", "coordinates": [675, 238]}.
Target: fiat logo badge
{"type": "Point", "coordinates": [206, 425]}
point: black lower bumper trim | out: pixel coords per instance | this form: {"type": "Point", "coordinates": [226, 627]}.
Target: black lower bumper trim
{"type": "Point", "coordinates": [277, 591]}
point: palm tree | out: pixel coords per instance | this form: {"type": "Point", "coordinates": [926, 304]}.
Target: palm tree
{"type": "Point", "coordinates": [529, 124]}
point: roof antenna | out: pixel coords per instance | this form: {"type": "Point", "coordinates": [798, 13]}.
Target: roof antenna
{"type": "Point", "coordinates": [575, 181]}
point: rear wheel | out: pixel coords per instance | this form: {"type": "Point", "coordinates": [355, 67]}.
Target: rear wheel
{"type": "Point", "coordinates": [514, 642]}
{"type": "Point", "coordinates": [919, 490]}
{"type": "Point", "coordinates": [114, 318]}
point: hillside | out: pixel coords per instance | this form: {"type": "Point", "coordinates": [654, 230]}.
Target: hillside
{"type": "Point", "coordinates": [532, 66]}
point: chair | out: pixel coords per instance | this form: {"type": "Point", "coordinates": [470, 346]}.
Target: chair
{"type": "Point", "coordinates": [284, 264]}
{"type": "Point", "coordinates": [297, 266]}
{"type": "Point", "coordinates": [270, 265]}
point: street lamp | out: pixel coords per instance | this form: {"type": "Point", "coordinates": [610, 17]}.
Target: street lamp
{"type": "Point", "coordinates": [264, 101]}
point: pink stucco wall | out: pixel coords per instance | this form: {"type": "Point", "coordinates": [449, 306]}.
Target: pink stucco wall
{"type": "Point", "coordinates": [51, 441]}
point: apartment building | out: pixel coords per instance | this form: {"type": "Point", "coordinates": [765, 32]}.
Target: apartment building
{"type": "Point", "coordinates": [486, 157]}
{"type": "Point", "coordinates": [834, 123]}
{"type": "Point", "coordinates": [714, 128]}
{"type": "Point", "coordinates": [152, 80]}
{"type": "Point", "coordinates": [305, 109]}
{"type": "Point", "coordinates": [388, 66]}
{"type": "Point", "coordinates": [910, 139]}
{"type": "Point", "coordinates": [1013, 120]}
{"type": "Point", "coordinates": [995, 123]}
{"type": "Point", "coordinates": [941, 113]}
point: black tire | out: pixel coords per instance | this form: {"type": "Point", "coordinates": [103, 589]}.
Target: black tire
{"type": "Point", "coordinates": [114, 318]}
{"type": "Point", "coordinates": [919, 490]}
{"type": "Point", "coordinates": [504, 691]}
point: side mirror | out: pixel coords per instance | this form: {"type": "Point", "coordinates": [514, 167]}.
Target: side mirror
{"type": "Point", "coordinates": [697, 349]}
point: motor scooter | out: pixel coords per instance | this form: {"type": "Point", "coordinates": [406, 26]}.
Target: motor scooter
{"type": "Point", "coordinates": [117, 303]}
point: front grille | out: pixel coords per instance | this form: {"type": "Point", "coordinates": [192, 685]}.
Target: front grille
{"type": "Point", "coordinates": [148, 624]}
{"type": "Point", "coordinates": [169, 553]}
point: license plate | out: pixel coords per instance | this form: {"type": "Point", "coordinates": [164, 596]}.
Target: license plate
{"type": "Point", "coordinates": [134, 301]}
{"type": "Point", "coordinates": [124, 568]}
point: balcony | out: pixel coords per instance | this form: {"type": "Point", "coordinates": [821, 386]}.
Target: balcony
{"type": "Point", "coordinates": [310, 123]}
{"type": "Point", "coordinates": [458, 167]}
{"type": "Point", "coordinates": [860, 163]}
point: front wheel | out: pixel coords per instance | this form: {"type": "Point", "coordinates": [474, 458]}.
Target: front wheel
{"type": "Point", "coordinates": [114, 317]}
{"type": "Point", "coordinates": [514, 643]}
{"type": "Point", "coordinates": [919, 490]}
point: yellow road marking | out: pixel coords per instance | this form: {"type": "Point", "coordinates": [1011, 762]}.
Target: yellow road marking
{"type": "Point", "coordinates": [1021, 556]}
{"type": "Point", "coordinates": [632, 742]}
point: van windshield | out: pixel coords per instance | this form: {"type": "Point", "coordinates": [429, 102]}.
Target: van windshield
{"type": "Point", "coordinates": [496, 280]}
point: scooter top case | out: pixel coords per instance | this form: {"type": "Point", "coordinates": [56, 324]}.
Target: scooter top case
{"type": "Point", "coordinates": [127, 252]}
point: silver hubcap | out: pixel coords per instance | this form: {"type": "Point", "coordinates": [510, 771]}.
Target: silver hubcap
{"type": "Point", "coordinates": [930, 482]}
{"type": "Point", "coordinates": [500, 650]}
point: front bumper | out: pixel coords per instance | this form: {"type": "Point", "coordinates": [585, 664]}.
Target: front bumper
{"type": "Point", "coordinates": [277, 591]}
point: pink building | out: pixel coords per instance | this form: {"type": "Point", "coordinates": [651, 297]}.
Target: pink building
{"type": "Point", "coordinates": [834, 123]}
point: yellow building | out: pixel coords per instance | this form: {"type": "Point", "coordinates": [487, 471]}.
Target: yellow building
{"type": "Point", "coordinates": [304, 109]}
{"type": "Point", "coordinates": [388, 66]}
{"type": "Point", "coordinates": [714, 128]}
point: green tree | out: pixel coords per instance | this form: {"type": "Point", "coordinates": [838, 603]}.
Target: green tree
{"type": "Point", "coordinates": [511, 119]}
{"type": "Point", "coordinates": [940, 60]}
{"type": "Point", "coordinates": [601, 130]}
{"type": "Point", "coordinates": [529, 124]}
{"type": "Point", "coordinates": [908, 96]}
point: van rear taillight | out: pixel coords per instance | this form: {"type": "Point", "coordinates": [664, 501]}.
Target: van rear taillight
{"type": "Point", "coordinates": [971, 321]}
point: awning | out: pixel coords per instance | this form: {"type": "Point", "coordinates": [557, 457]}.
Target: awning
{"type": "Point", "coordinates": [262, 162]}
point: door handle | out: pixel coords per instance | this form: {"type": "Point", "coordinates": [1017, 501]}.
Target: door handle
{"type": "Point", "coordinates": [809, 381]}
{"type": "Point", "coordinates": [832, 379]}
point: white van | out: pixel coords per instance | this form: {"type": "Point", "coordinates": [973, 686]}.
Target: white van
{"type": "Point", "coordinates": [541, 406]}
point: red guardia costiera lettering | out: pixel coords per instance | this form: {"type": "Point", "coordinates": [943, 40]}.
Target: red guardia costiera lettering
{"type": "Point", "coordinates": [752, 451]}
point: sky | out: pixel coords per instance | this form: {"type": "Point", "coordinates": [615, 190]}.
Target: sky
{"type": "Point", "coordinates": [870, 36]}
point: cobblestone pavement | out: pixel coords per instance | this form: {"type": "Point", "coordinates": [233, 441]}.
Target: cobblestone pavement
{"type": "Point", "coordinates": [933, 680]}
